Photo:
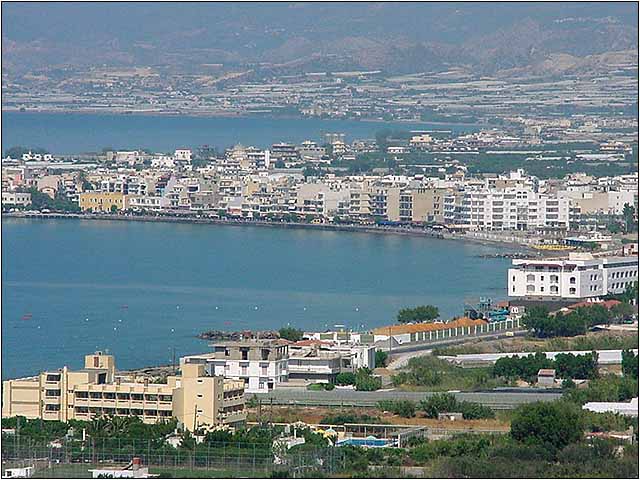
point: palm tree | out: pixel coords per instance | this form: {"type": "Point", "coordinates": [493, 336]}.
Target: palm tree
{"type": "Point", "coordinates": [98, 427]}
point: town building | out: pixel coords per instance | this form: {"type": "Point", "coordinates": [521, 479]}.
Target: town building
{"type": "Point", "coordinates": [103, 201]}
{"type": "Point", "coordinates": [194, 398]}
{"type": "Point", "coordinates": [581, 276]}
{"type": "Point", "coordinates": [260, 364]}
{"type": "Point", "coordinates": [17, 199]}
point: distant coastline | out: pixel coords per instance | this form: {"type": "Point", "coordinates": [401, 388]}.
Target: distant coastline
{"type": "Point", "coordinates": [222, 114]}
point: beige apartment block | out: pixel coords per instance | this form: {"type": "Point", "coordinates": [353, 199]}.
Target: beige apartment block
{"type": "Point", "coordinates": [195, 399]}
{"type": "Point", "coordinates": [103, 201]}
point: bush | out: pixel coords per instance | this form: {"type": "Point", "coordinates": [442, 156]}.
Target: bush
{"type": "Point", "coordinates": [381, 359]}
{"type": "Point", "coordinates": [345, 378]}
{"type": "Point", "coordinates": [424, 313]}
{"type": "Point", "coordinates": [346, 417]}
{"type": "Point", "coordinates": [403, 408]}
{"type": "Point", "coordinates": [447, 403]}
{"type": "Point", "coordinates": [609, 388]}
{"type": "Point", "coordinates": [629, 364]}
{"type": "Point", "coordinates": [366, 382]}
{"type": "Point", "coordinates": [548, 423]}
{"type": "Point", "coordinates": [291, 334]}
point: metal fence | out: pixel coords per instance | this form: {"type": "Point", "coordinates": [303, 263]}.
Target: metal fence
{"type": "Point", "coordinates": [74, 460]}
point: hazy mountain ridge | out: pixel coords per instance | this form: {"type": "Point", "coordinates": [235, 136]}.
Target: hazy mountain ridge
{"type": "Point", "coordinates": [405, 38]}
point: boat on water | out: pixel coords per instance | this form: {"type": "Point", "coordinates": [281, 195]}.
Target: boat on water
{"type": "Point", "coordinates": [27, 316]}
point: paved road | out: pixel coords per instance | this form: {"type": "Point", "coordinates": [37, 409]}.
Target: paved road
{"type": "Point", "coordinates": [502, 399]}
{"type": "Point", "coordinates": [418, 346]}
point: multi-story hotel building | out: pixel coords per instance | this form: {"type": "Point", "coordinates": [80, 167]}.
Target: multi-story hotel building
{"type": "Point", "coordinates": [581, 276]}
{"type": "Point", "coordinates": [260, 364]}
{"type": "Point", "coordinates": [194, 398]}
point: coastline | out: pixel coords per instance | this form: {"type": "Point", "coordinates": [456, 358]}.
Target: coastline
{"type": "Point", "coordinates": [385, 230]}
{"type": "Point", "coordinates": [226, 115]}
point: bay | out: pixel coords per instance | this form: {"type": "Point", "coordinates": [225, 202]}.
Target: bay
{"type": "Point", "coordinates": [71, 133]}
{"type": "Point", "coordinates": [142, 289]}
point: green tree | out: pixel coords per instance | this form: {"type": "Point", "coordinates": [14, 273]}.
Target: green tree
{"type": "Point", "coordinates": [557, 424]}
{"type": "Point", "coordinates": [291, 334]}
{"type": "Point", "coordinates": [381, 358]}
{"type": "Point", "coordinates": [630, 364]}
{"type": "Point", "coordinates": [366, 382]}
{"type": "Point", "coordinates": [423, 313]}
{"type": "Point", "coordinates": [345, 378]}
{"type": "Point", "coordinates": [629, 216]}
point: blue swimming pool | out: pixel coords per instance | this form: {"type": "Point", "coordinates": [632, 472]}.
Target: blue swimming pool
{"type": "Point", "coordinates": [367, 442]}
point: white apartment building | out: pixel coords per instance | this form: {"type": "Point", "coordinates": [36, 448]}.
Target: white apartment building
{"type": "Point", "coordinates": [16, 198]}
{"type": "Point", "coordinates": [510, 209]}
{"type": "Point", "coordinates": [182, 155]}
{"type": "Point", "coordinates": [581, 276]}
{"type": "Point", "coordinates": [261, 364]}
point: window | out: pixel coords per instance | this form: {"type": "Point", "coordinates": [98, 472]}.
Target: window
{"type": "Point", "coordinates": [572, 290]}
{"type": "Point", "coordinates": [52, 393]}
{"type": "Point", "coordinates": [554, 289]}
{"type": "Point", "coordinates": [572, 281]}
{"type": "Point", "coordinates": [199, 395]}
{"type": "Point", "coordinates": [52, 408]}
{"type": "Point", "coordinates": [531, 278]}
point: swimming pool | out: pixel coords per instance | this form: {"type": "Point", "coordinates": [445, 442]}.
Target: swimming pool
{"type": "Point", "coordinates": [366, 442]}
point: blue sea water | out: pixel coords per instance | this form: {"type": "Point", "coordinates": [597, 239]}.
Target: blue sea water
{"type": "Point", "coordinates": [142, 289]}
{"type": "Point", "coordinates": [62, 133]}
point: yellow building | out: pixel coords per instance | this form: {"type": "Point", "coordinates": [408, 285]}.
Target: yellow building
{"type": "Point", "coordinates": [103, 201]}
{"type": "Point", "coordinates": [193, 398]}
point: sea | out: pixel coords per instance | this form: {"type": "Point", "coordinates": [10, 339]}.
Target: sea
{"type": "Point", "coordinates": [74, 133]}
{"type": "Point", "coordinates": [143, 291]}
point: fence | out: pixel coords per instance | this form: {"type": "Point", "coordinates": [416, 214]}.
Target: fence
{"type": "Point", "coordinates": [75, 459]}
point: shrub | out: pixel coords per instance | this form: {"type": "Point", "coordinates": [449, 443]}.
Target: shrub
{"type": "Point", "coordinates": [630, 364]}
{"type": "Point", "coordinates": [366, 382]}
{"type": "Point", "coordinates": [381, 358]}
{"type": "Point", "coordinates": [290, 333]}
{"type": "Point", "coordinates": [548, 423]}
{"type": "Point", "coordinates": [403, 408]}
{"type": "Point", "coordinates": [447, 403]}
{"type": "Point", "coordinates": [346, 378]}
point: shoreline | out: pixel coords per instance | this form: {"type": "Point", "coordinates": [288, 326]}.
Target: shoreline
{"type": "Point", "coordinates": [402, 231]}
{"type": "Point", "coordinates": [227, 115]}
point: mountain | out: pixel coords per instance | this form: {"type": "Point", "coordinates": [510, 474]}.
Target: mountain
{"type": "Point", "coordinates": [293, 37]}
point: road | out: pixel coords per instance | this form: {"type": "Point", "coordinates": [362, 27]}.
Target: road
{"type": "Point", "coordinates": [497, 399]}
{"type": "Point", "coordinates": [398, 354]}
